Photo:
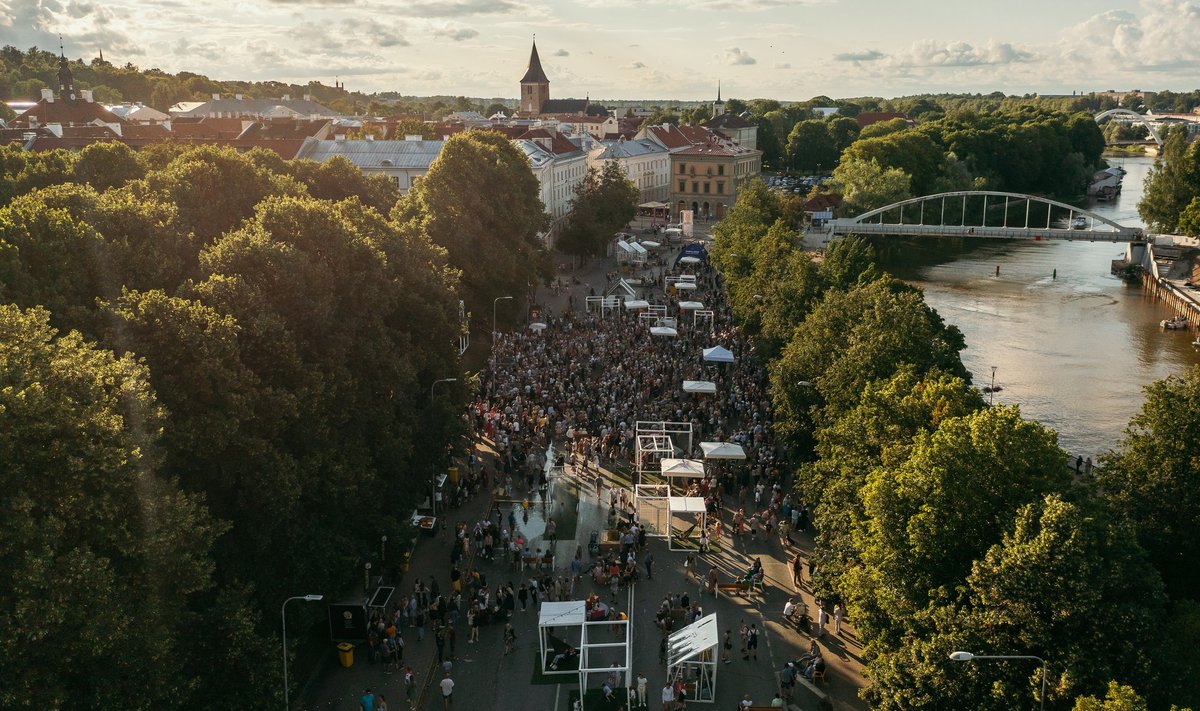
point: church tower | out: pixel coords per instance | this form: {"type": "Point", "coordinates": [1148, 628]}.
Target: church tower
{"type": "Point", "coordinates": [718, 105]}
{"type": "Point", "coordinates": [535, 87]}
{"type": "Point", "coordinates": [66, 82]}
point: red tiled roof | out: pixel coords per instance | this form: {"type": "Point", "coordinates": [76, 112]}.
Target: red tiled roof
{"type": "Point", "coordinates": [65, 112]}
{"type": "Point", "coordinates": [284, 129]}
{"type": "Point", "coordinates": [559, 144]}
{"type": "Point", "coordinates": [730, 121]}
{"type": "Point", "coordinates": [823, 201]}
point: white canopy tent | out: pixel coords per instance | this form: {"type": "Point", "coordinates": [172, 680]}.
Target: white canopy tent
{"type": "Point", "coordinates": [692, 658]}
{"type": "Point", "coordinates": [663, 331]}
{"type": "Point", "coordinates": [570, 614]}
{"type": "Point", "coordinates": [632, 304]}
{"type": "Point", "coordinates": [689, 468]}
{"type": "Point", "coordinates": [685, 286]}
{"type": "Point", "coordinates": [691, 305]}
{"type": "Point", "coordinates": [691, 509]}
{"type": "Point", "coordinates": [718, 354]}
{"type": "Point", "coordinates": [651, 244]}
{"type": "Point", "coordinates": [689, 260]}
{"type": "Point", "coordinates": [722, 450]}
{"type": "Point", "coordinates": [673, 231]}
{"type": "Point", "coordinates": [704, 387]}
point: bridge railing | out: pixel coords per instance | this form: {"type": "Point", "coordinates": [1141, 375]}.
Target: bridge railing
{"type": "Point", "coordinates": [842, 227]}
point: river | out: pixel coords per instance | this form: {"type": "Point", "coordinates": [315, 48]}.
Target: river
{"type": "Point", "coordinates": [1074, 352]}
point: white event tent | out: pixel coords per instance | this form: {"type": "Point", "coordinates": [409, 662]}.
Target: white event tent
{"type": "Point", "coordinates": [718, 354]}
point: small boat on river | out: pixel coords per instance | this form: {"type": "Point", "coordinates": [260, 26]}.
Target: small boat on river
{"type": "Point", "coordinates": [1177, 323]}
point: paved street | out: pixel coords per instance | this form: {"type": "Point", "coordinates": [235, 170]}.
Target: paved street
{"type": "Point", "coordinates": [487, 679]}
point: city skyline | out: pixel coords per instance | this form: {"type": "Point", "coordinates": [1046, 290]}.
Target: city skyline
{"type": "Point", "coordinates": [652, 49]}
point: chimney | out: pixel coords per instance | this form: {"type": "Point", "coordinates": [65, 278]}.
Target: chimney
{"type": "Point", "coordinates": [287, 97]}
{"type": "Point", "coordinates": [216, 97]}
{"type": "Point", "coordinates": [370, 137]}
{"type": "Point", "coordinates": [238, 97]}
{"type": "Point", "coordinates": [308, 97]}
{"type": "Point", "coordinates": [339, 137]}
{"type": "Point", "coordinates": [413, 137]}
{"type": "Point", "coordinates": [87, 95]}
{"type": "Point", "coordinates": [48, 95]}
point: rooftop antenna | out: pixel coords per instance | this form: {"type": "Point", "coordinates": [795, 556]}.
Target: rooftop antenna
{"type": "Point", "coordinates": [61, 51]}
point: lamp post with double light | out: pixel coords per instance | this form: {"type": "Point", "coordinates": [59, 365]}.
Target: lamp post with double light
{"type": "Point", "coordinates": [968, 656]}
{"type": "Point", "coordinates": [433, 483]}
{"type": "Point", "coordinates": [287, 702]}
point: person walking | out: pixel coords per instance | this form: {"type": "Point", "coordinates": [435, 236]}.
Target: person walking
{"type": "Point", "coordinates": [641, 689]}
{"type": "Point", "coordinates": [649, 563]}
{"type": "Point", "coordinates": [668, 697]}
{"type": "Point", "coordinates": [727, 647]}
{"type": "Point", "coordinates": [447, 687]}
{"type": "Point", "coordinates": [510, 637]}
{"type": "Point", "coordinates": [523, 596]}
{"type": "Point", "coordinates": [752, 642]}
{"type": "Point", "coordinates": [367, 702]}
{"type": "Point", "coordinates": [822, 619]}
{"type": "Point", "coordinates": [410, 687]}
{"type": "Point", "coordinates": [838, 613]}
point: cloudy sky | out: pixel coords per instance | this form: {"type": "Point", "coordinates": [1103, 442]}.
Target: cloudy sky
{"type": "Point", "coordinates": [673, 49]}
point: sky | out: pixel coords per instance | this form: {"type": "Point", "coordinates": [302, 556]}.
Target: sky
{"type": "Point", "coordinates": [641, 49]}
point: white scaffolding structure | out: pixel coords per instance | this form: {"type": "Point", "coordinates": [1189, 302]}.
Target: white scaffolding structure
{"type": "Point", "coordinates": [686, 507]}
{"type": "Point", "coordinates": [570, 614]}
{"type": "Point", "coordinates": [656, 441]}
{"type": "Point", "coordinates": [604, 303]}
{"type": "Point", "coordinates": [692, 658]}
{"type": "Point", "coordinates": [703, 315]}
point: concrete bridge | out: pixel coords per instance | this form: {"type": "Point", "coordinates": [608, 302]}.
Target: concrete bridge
{"type": "Point", "coordinates": [971, 213]}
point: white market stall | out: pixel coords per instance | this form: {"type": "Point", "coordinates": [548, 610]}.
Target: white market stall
{"type": "Point", "coordinates": [722, 450]}
{"type": "Point", "coordinates": [570, 615]}
{"type": "Point", "coordinates": [718, 354]}
{"type": "Point", "coordinates": [651, 244]}
{"type": "Point", "coordinates": [692, 658]}
{"type": "Point", "coordinates": [686, 468]}
{"type": "Point", "coordinates": [690, 305]}
{"type": "Point", "coordinates": [636, 304]}
{"type": "Point", "coordinates": [663, 331]}
{"type": "Point", "coordinates": [596, 652]}
{"type": "Point", "coordinates": [702, 387]}
{"type": "Point", "coordinates": [692, 510]}
{"type": "Point", "coordinates": [689, 260]}
{"type": "Point", "coordinates": [685, 286]}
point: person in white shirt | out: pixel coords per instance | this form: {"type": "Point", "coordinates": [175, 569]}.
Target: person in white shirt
{"type": "Point", "coordinates": [447, 685]}
{"type": "Point", "coordinates": [789, 609]}
{"type": "Point", "coordinates": [668, 697]}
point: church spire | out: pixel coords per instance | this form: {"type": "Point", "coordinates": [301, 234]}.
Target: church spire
{"type": "Point", "coordinates": [66, 82]}
{"type": "Point", "coordinates": [718, 91]}
{"type": "Point", "coordinates": [535, 74]}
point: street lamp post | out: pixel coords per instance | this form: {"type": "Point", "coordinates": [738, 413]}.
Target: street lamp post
{"type": "Point", "coordinates": [492, 380]}
{"type": "Point", "coordinates": [433, 481]}
{"type": "Point", "coordinates": [992, 389]}
{"type": "Point", "coordinates": [287, 702]}
{"type": "Point", "coordinates": [968, 656]}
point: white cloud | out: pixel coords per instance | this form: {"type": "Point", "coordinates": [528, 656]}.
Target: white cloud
{"type": "Point", "coordinates": [737, 57]}
{"type": "Point", "coordinates": [860, 56]}
{"type": "Point", "coordinates": [1161, 37]}
{"type": "Point", "coordinates": [562, 53]}
{"type": "Point", "coordinates": [930, 53]}
{"type": "Point", "coordinates": [456, 34]}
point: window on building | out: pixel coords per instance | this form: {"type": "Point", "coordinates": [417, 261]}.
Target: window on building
{"type": "Point", "coordinates": [682, 186]}
{"type": "Point", "coordinates": [720, 188]}
{"type": "Point", "coordinates": [682, 169]}
{"type": "Point", "coordinates": [707, 185]}
{"type": "Point", "coordinates": [695, 186]}
{"type": "Point", "coordinates": [720, 170]}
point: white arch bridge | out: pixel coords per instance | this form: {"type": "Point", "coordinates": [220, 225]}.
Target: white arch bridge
{"type": "Point", "coordinates": [986, 213]}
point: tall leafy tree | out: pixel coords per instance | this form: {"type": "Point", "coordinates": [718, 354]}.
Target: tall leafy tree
{"type": "Point", "coordinates": [1152, 478]}
{"type": "Point", "coordinates": [1172, 184]}
{"type": "Point", "coordinates": [866, 185]}
{"type": "Point", "coordinates": [810, 146]}
{"type": "Point", "coordinates": [605, 201]}
{"type": "Point", "coordinates": [101, 553]}
{"type": "Point", "coordinates": [480, 202]}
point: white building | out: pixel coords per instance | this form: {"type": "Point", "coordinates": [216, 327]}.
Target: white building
{"type": "Point", "coordinates": [405, 161]}
{"type": "Point", "coordinates": [242, 107]}
{"type": "Point", "coordinates": [559, 165]}
{"type": "Point", "coordinates": [645, 162]}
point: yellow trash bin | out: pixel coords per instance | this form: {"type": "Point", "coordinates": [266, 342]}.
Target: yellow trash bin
{"type": "Point", "coordinates": [453, 474]}
{"type": "Point", "coordinates": [346, 654]}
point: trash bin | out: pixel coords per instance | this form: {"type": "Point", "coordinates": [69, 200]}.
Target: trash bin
{"type": "Point", "coordinates": [346, 654]}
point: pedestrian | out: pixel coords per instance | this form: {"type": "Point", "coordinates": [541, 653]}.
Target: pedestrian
{"type": "Point", "coordinates": [523, 596]}
{"type": "Point", "coordinates": [447, 686]}
{"type": "Point", "coordinates": [689, 566]}
{"type": "Point", "coordinates": [419, 623]}
{"type": "Point", "coordinates": [613, 586]}
{"type": "Point", "coordinates": [649, 563]}
{"type": "Point", "coordinates": [510, 637]}
{"type": "Point", "coordinates": [367, 702]}
{"type": "Point", "coordinates": [743, 632]}
{"type": "Point", "coordinates": [382, 703]}
{"type": "Point", "coordinates": [822, 619]}
{"type": "Point", "coordinates": [641, 689]}
{"type": "Point", "coordinates": [727, 646]}
{"type": "Point", "coordinates": [746, 703]}
{"type": "Point", "coordinates": [838, 613]}
{"type": "Point", "coordinates": [439, 639]}
{"type": "Point", "coordinates": [410, 687]}
{"type": "Point", "coordinates": [668, 695]}
{"type": "Point", "coordinates": [752, 642]}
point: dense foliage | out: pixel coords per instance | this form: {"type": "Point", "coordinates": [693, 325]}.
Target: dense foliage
{"type": "Point", "coordinates": [1171, 202]}
{"type": "Point", "coordinates": [944, 524]}
{"type": "Point", "coordinates": [605, 201]}
{"type": "Point", "coordinates": [213, 367]}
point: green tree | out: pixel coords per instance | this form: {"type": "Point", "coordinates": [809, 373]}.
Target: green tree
{"type": "Point", "coordinates": [1172, 184]}
{"type": "Point", "coordinates": [1152, 479]}
{"type": "Point", "coordinates": [101, 553]}
{"type": "Point", "coordinates": [339, 179]}
{"type": "Point", "coordinates": [866, 185]}
{"type": "Point", "coordinates": [108, 164]}
{"type": "Point", "coordinates": [844, 131]}
{"type": "Point", "coordinates": [480, 202]}
{"type": "Point", "coordinates": [605, 201]}
{"type": "Point", "coordinates": [811, 147]}
{"type": "Point", "coordinates": [850, 339]}
{"type": "Point", "coordinates": [931, 516]}
{"type": "Point", "coordinates": [1118, 698]}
